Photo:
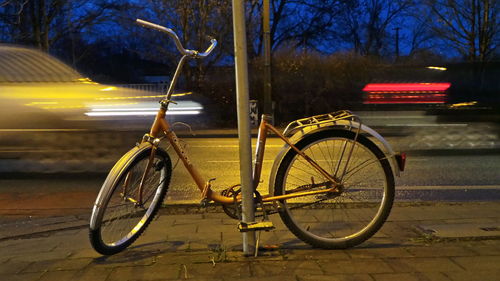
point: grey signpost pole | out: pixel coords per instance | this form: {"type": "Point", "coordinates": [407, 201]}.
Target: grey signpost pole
{"type": "Point", "coordinates": [242, 100]}
{"type": "Point", "coordinates": [266, 19]}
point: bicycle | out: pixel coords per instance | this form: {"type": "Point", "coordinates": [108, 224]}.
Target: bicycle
{"type": "Point", "coordinates": [332, 186]}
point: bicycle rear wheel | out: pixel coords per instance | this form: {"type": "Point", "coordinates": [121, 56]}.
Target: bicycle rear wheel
{"type": "Point", "coordinates": [336, 220]}
{"type": "Point", "coordinates": [120, 216]}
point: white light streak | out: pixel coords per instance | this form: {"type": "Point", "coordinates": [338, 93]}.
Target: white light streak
{"type": "Point", "coordinates": [145, 109]}
{"type": "Point", "coordinates": [139, 113]}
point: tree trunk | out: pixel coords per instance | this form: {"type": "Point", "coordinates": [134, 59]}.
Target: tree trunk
{"type": "Point", "coordinates": [35, 37]}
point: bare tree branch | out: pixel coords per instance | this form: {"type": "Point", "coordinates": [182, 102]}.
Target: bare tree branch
{"type": "Point", "coordinates": [468, 26]}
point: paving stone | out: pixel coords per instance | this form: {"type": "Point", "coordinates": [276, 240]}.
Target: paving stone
{"type": "Point", "coordinates": [33, 257]}
{"type": "Point", "coordinates": [40, 266]}
{"type": "Point", "coordinates": [357, 253]}
{"type": "Point", "coordinates": [335, 277]}
{"type": "Point", "coordinates": [391, 228]}
{"type": "Point", "coordinates": [396, 277]}
{"type": "Point", "coordinates": [355, 266]}
{"type": "Point", "coordinates": [479, 263]}
{"type": "Point", "coordinates": [280, 268]}
{"type": "Point", "coordinates": [422, 264]}
{"type": "Point", "coordinates": [230, 271]}
{"type": "Point", "coordinates": [398, 216]}
{"type": "Point", "coordinates": [229, 221]}
{"type": "Point", "coordinates": [217, 217]}
{"type": "Point", "coordinates": [486, 275]}
{"type": "Point", "coordinates": [470, 220]}
{"type": "Point", "coordinates": [152, 235]}
{"type": "Point", "coordinates": [173, 245]}
{"type": "Point", "coordinates": [188, 219]}
{"type": "Point", "coordinates": [265, 278]}
{"type": "Point", "coordinates": [217, 229]}
{"type": "Point", "coordinates": [430, 213]}
{"type": "Point", "coordinates": [58, 275]}
{"type": "Point", "coordinates": [440, 251]}
{"type": "Point", "coordinates": [459, 230]}
{"type": "Point", "coordinates": [156, 272]}
{"type": "Point", "coordinates": [386, 242]}
{"type": "Point", "coordinates": [92, 274]}
{"type": "Point", "coordinates": [32, 245]}
{"type": "Point", "coordinates": [21, 276]}
{"type": "Point", "coordinates": [432, 276]}
{"type": "Point", "coordinates": [70, 264]}
{"type": "Point", "coordinates": [198, 245]}
{"type": "Point", "coordinates": [265, 255]}
{"type": "Point", "coordinates": [152, 247]}
{"type": "Point", "coordinates": [281, 235]}
{"type": "Point", "coordinates": [487, 248]}
{"type": "Point", "coordinates": [70, 246]}
{"type": "Point", "coordinates": [284, 239]}
{"type": "Point", "coordinates": [315, 254]}
{"type": "Point", "coordinates": [13, 267]}
{"type": "Point", "coordinates": [125, 258]}
{"type": "Point", "coordinates": [85, 253]}
{"type": "Point", "coordinates": [72, 233]}
{"type": "Point", "coordinates": [164, 219]}
{"type": "Point", "coordinates": [169, 253]}
{"type": "Point", "coordinates": [183, 232]}
{"type": "Point", "coordinates": [184, 258]}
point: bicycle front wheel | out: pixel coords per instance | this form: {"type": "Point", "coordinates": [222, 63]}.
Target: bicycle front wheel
{"type": "Point", "coordinates": [122, 211]}
{"type": "Point", "coordinates": [346, 218]}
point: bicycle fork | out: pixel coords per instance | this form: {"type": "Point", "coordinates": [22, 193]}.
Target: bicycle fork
{"type": "Point", "coordinates": [138, 200]}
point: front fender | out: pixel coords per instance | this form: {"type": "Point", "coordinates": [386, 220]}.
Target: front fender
{"type": "Point", "coordinates": [112, 178]}
{"type": "Point", "coordinates": [336, 125]}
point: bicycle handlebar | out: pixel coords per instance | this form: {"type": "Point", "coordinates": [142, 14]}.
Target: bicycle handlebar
{"type": "Point", "coordinates": [178, 44]}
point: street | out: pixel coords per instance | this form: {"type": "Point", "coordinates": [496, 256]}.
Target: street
{"type": "Point", "coordinates": [428, 177]}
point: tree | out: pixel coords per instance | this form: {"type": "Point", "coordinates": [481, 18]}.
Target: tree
{"type": "Point", "coordinates": [10, 11]}
{"type": "Point", "coordinates": [471, 27]}
{"type": "Point", "coordinates": [365, 24]}
{"type": "Point", "coordinates": [194, 22]}
{"type": "Point", "coordinates": [294, 23]}
{"type": "Point", "coordinates": [41, 23]}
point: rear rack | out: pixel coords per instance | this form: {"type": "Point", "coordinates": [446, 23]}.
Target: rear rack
{"type": "Point", "coordinates": [319, 120]}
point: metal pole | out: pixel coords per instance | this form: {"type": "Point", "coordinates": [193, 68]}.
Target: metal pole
{"type": "Point", "coordinates": [266, 19]}
{"type": "Point", "coordinates": [397, 43]}
{"type": "Point", "coordinates": [242, 97]}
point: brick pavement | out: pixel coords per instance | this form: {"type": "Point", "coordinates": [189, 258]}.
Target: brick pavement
{"type": "Point", "coordinates": [206, 246]}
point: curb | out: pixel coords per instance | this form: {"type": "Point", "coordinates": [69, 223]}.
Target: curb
{"type": "Point", "coordinates": [25, 228]}
{"type": "Point", "coordinates": [28, 229]}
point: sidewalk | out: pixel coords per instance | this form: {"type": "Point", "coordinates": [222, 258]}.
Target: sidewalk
{"type": "Point", "coordinates": [425, 241]}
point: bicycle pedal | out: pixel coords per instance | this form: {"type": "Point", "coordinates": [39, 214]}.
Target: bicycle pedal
{"type": "Point", "coordinates": [255, 226]}
{"type": "Point", "coordinates": [204, 202]}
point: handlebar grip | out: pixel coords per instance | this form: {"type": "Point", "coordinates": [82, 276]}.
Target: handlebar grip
{"type": "Point", "coordinates": [170, 32]}
{"type": "Point", "coordinates": [178, 43]}
{"type": "Point", "coordinates": [213, 44]}
{"type": "Point", "coordinates": [153, 26]}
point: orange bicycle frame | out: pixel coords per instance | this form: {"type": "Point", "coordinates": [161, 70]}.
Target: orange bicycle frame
{"type": "Point", "coordinates": [160, 125]}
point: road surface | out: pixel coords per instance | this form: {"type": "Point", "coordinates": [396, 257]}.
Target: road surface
{"type": "Point", "coordinates": [455, 177]}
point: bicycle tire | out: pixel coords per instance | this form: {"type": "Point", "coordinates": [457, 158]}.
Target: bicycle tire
{"type": "Point", "coordinates": [344, 220]}
{"type": "Point", "coordinates": [106, 234]}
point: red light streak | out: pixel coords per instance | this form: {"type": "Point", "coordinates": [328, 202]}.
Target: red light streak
{"type": "Point", "coordinates": [406, 87]}
{"type": "Point", "coordinates": [405, 93]}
